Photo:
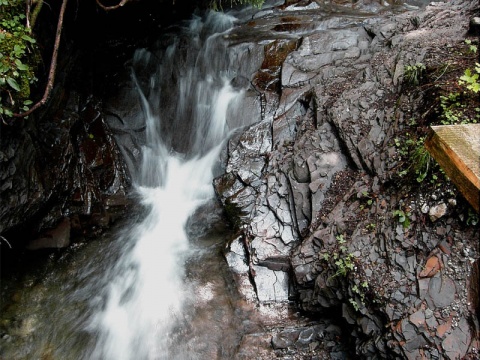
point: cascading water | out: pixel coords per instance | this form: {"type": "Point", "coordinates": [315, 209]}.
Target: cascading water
{"type": "Point", "coordinates": [185, 127]}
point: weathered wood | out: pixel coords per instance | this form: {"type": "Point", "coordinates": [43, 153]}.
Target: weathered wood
{"type": "Point", "coordinates": [457, 149]}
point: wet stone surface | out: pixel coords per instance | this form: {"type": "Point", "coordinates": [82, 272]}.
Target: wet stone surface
{"type": "Point", "coordinates": [325, 203]}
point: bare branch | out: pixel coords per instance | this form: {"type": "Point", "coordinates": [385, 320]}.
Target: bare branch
{"type": "Point", "coordinates": [2, 238]}
{"type": "Point", "coordinates": [27, 13]}
{"type": "Point", "coordinates": [108, 8]}
{"type": "Point", "coordinates": [53, 65]}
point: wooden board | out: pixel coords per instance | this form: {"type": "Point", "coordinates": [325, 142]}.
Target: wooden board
{"type": "Point", "coordinates": [457, 149]}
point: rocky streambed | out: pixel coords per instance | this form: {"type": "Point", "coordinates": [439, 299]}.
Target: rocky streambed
{"type": "Point", "coordinates": [323, 222]}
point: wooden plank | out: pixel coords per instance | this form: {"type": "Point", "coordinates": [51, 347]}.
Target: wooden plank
{"type": "Point", "coordinates": [457, 149]}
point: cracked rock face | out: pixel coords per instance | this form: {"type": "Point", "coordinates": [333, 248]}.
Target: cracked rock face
{"type": "Point", "coordinates": [309, 187]}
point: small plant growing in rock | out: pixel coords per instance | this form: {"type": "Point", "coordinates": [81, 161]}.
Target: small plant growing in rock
{"type": "Point", "coordinates": [421, 165]}
{"type": "Point", "coordinates": [421, 160]}
{"type": "Point", "coordinates": [403, 217]}
{"type": "Point", "coordinates": [403, 146]}
{"type": "Point", "coordinates": [345, 266]}
{"type": "Point", "coordinates": [366, 198]}
{"type": "Point", "coordinates": [413, 73]}
{"type": "Point", "coordinates": [345, 262]}
{"type": "Point", "coordinates": [472, 47]}
{"type": "Point", "coordinates": [472, 218]}
{"type": "Point", "coordinates": [359, 290]}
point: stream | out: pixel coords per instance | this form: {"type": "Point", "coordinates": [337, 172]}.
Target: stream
{"type": "Point", "coordinates": [156, 286]}
{"type": "Point", "coordinates": [149, 290]}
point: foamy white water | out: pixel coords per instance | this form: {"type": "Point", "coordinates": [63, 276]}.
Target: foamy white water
{"type": "Point", "coordinates": [145, 298]}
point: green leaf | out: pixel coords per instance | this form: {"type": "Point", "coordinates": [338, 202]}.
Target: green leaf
{"type": "Point", "coordinates": [29, 39]}
{"type": "Point", "coordinates": [20, 65]}
{"type": "Point", "coordinates": [474, 87]}
{"type": "Point", "coordinates": [13, 83]}
{"type": "Point", "coordinates": [18, 50]}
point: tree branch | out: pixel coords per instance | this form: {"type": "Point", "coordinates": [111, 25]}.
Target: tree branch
{"type": "Point", "coordinates": [53, 65]}
{"type": "Point", "coordinates": [36, 11]}
{"type": "Point", "coordinates": [108, 8]}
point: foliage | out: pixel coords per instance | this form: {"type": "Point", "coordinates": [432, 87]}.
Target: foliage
{"type": "Point", "coordinates": [413, 73]}
{"type": "Point", "coordinates": [366, 199]}
{"type": "Point", "coordinates": [454, 104]}
{"type": "Point", "coordinates": [217, 5]}
{"type": "Point", "coordinates": [345, 265]}
{"type": "Point", "coordinates": [453, 107]}
{"type": "Point", "coordinates": [344, 262]}
{"type": "Point", "coordinates": [472, 217]}
{"type": "Point", "coordinates": [18, 59]}
{"type": "Point", "coordinates": [470, 79]}
{"type": "Point", "coordinates": [421, 160]}
{"type": "Point", "coordinates": [453, 97]}
{"type": "Point", "coordinates": [471, 47]}
{"type": "Point", "coordinates": [359, 290]}
{"type": "Point", "coordinates": [421, 165]}
{"type": "Point", "coordinates": [403, 217]}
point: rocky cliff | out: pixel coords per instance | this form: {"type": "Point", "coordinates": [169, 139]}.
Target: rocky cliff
{"type": "Point", "coordinates": [323, 216]}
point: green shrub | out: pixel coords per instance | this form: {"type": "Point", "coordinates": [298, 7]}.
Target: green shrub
{"type": "Point", "coordinates": [18, 58]}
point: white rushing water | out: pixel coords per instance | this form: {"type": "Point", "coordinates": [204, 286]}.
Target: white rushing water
{"type": "Point", "coordinates": [144, 302]}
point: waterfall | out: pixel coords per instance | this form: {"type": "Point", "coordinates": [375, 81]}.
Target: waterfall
{"type": "Point", "coordinates": [186, 101]}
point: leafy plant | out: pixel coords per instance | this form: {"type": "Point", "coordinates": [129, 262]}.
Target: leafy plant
{"type": "Point", "coordinates": [472, 218]}
{"type": "Point", "coordinates": [366, 198]}
{"type": "Point", "coordinates": [472, 48]}
{"type": "Point", "coordinates": [359, 290]}
{"type": "Point", "coordinates": [403, 145]}
{"type": "Point", "coordinates": [452, 110]}
{"type": "Point", "coordinates": [470, 79]}
{"type": "Point", "coordinates": [421, 166]}
{"type": "Point", "coordinates": [403, 217]}
{"type": "Point", "coordinates": [413, 73]}
{"type": "Point", "coordinates": [421, 160]}
{"type": "Point", "coordinates": [18, 58]}
{"type": "Point", "coordinates": [345, 262]}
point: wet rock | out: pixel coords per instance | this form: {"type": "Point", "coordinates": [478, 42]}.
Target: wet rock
{"type": "Point", "coordinates": [59, 237]}
{"type": "Point", "coordinates": [236, 256]}
{"type": "Point", "coordinates": [271, 285]}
